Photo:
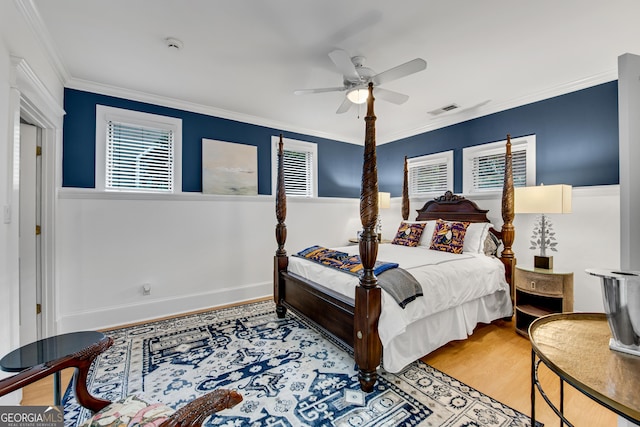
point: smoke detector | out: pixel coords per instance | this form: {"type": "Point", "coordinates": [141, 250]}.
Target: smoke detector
{"type": "Point", "coordinates": [173, 43]}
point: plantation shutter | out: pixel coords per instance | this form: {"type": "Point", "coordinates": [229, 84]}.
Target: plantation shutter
{"type": "Point", "coordinates": [298, 173]}
{"type": "Point", "coordinates": [430, 174]}
{"type": "Point", "coordinates": [488, 170]}
{"type": "Point", "coordinates": [428, 178]}
{"type": "Point", "coordinates": [139, 158]}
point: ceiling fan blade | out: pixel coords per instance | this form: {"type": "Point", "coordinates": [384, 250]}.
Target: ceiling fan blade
{"type": "Point", "coordinates": [390, 96]}
{"type": "Point", "coordinates": [342, 60]}
{"type": "Point", "coordinates": [319, 90]}
{"type": "Point", "coordinates": [344, 107]}
{"type": "Point", "coordinates": [400, 71]}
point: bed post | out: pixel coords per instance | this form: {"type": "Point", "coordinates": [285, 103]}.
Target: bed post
{"type": "Point", "coordinates": [281, 261]}
{"type": "Point", "coordinates": [367, 346]}
{"type": "Point", "coordinates": [405, 191]}
{"type": "Point", "coordinates": [508, 231]}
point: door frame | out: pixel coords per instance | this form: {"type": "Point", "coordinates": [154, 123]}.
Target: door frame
{"type": "Point", "coordinates": [29, 240]}
{"type": "Point", "coordinates": [40, 108]}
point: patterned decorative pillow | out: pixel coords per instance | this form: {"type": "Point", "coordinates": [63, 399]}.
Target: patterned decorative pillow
{"type": "Point", "coordinates": [448, 236]}
{"type": "Point", "coordinates": [408, 234]}
{"type": "Point", "coordinates": [491, 245]}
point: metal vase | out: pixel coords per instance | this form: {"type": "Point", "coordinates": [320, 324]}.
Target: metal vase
{"type": "Point", "coordinates": [621, 298]}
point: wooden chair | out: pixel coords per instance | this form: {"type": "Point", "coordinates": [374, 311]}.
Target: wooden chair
{"type": "Point", "coordinates": [130, 408]}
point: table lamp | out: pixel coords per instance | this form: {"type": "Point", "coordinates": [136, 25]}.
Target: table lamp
{"type": "Point", "coordinates": [384, 202]}
{"type": "Point", "coordinates": [543, 199]}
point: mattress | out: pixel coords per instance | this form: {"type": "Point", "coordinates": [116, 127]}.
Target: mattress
{"type": "Point", "coordinates": [460, 290]}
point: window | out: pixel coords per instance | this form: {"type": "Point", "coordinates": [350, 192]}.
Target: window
{"type": "Point", "coordinates": [483, 165]}
{"type": "Point", "coordinates": [137, 152]}
{"type": "Point", "coordinates": [430, 174]}
{"type": "Point", "coordinates": [300, 167]}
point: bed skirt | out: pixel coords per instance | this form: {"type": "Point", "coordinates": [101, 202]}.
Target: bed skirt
{"type": "Point", "coordinates": [457, 323]}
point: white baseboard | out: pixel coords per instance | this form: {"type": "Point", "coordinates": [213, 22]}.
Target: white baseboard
{"type": "Point", "coordinates": [124, 314]}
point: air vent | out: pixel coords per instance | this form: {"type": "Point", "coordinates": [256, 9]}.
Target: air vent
{"type": "Point", "coordinates": [444, 109]}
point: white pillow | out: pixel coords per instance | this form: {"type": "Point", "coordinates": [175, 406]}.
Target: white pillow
{"type": "Point", "coordinates": [427, 234]}
{"type": "Point", "coordinates": [475, 237]}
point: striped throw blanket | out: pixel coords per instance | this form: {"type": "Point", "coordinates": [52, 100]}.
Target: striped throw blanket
{"type": "Point", "coordinates": [342, 260]}
{"type": "Point", "coordinates": [398, 283]}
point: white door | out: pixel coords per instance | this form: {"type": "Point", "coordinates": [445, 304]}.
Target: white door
{"type": "Point", "coordinates": [30, 293]}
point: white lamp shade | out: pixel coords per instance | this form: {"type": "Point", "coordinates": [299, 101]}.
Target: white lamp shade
{"type": "Point", "coordinates": [543, 199]}
{"type": "Point", "coordinates": [384, 200]}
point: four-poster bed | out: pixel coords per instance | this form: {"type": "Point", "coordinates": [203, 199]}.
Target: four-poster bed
{"type": "Point", "coordinates": [353, 316]}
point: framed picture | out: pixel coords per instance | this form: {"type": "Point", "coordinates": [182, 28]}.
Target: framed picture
{"type": "Point", "coordinates": [229, 168]}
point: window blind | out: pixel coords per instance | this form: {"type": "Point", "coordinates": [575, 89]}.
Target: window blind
{"type": "Point", "coordinates": [139, 158]}
{"type": "Point", "coordinates": [428, 177]}
{"type": "Point", "coordinates": [298, 173]}
{"type": "Point", "coordinates": [488, 170]}
{"type": "Point", "coordinates": [430, 174]}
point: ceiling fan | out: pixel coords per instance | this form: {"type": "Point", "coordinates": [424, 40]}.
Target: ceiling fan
{"type": "Point", "coordinates": [356, 77]}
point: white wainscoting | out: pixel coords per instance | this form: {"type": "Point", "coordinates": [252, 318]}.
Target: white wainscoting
{"type": "Point", "coordinates": [195, 251]}
{"type": "Point", "coordinates": [200, 251]}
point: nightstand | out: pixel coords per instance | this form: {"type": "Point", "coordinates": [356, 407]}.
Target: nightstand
{"type": "Point", "coordinates": [540, 292]}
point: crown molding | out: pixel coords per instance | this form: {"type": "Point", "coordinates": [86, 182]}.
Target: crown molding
{"type": "Point", "coordinates": [103, 89]}
{"type": "Point", "coordinates": [452, 119]}
{"type": "Point", "coordinates": [34, 92]}
{"type": "Point", "coordinates": [30, 13]}
{"type": "Point", "coordinates": [491, 108]}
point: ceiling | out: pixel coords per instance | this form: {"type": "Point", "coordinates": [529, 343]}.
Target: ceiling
{"type": "Point", "coordinates": [244, 59]}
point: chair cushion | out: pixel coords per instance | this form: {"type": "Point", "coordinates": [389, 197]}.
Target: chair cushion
{"type": "Point", "coordinates": [130, 411]}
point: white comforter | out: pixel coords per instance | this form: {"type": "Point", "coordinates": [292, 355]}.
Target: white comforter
{"type": "Point", "coordinates": [447, 280]}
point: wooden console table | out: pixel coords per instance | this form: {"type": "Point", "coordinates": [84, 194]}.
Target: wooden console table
{"type": "Point", "coordinates": [575, 346]}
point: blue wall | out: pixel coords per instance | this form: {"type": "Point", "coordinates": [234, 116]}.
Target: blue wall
{"type": "Point", "coordinates": [576, 139]}
{"type": "Point", "coordinates": [336, 175]}
{"type": "Point", "coordinates": [576, 142]}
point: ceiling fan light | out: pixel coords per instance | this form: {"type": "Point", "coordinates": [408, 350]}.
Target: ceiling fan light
{"type": "Point", "coordinates": [358, 96]}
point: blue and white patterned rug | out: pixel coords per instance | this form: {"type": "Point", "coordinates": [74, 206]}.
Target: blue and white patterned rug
{"type": "Point", "coordinates": [288, 373]}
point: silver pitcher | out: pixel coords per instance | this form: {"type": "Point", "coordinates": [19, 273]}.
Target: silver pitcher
{"type": "Point", "coordinates": [621, 297]}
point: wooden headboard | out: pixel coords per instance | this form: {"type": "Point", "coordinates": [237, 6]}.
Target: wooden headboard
{"type": "Point", "coordinates": [452, 208]}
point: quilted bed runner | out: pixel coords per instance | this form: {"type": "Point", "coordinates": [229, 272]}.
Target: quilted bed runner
{"type": "Point", "coordinates": [398, 283]}
{"type": "Point", "coordinates": [342, 260]}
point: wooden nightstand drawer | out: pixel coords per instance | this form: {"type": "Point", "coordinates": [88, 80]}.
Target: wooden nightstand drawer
{"type": "Point", "coordinates": [547, 284]}
{"type": "Point", "coordinates": [540, 292]}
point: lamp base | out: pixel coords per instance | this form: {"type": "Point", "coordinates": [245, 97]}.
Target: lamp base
{"type": "Point", "coordinates": [545, 262]}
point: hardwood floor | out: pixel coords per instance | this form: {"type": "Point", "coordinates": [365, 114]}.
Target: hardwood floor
{"type": "Point", "coordinates": [41, 393]}
{"type": "Point", "coordinates": [495, 361]}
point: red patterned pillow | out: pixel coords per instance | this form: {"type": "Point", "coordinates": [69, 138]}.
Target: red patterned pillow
{"type": "Point", "coordinates": [448, 236]}
{"type": "Point", "coordinates": [409, 233]}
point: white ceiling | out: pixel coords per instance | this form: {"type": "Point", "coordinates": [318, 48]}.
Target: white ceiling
{"type": "Point", "coordinates": [243, 59]}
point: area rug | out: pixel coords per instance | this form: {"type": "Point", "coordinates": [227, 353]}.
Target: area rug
{"type": "Point", "coordinates": [288, 373]}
